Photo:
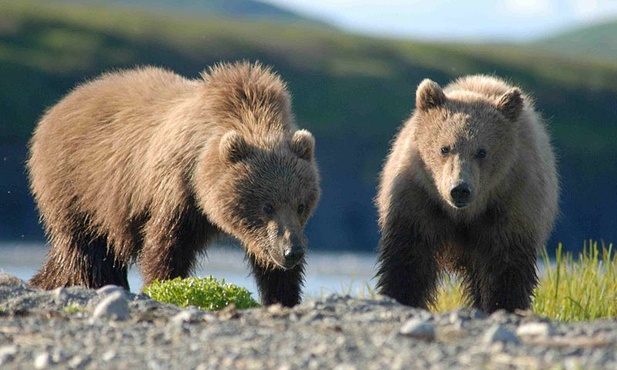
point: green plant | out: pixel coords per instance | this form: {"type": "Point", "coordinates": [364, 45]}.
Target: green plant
{"type": "Point", "coordinates": [581, 289]}
{"type": "Point", "coordinates": [74, 308]}
{"type": "Point", "coordinates": [569, 289]}
{"type": "Point", "coordinates": [207, 293]}
{"type": "Point", "coordinates": [450, 294]}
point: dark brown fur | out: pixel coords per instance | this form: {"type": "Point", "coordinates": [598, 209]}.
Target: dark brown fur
{"type": "Point", "coordinates": [145, 165]}
{"type": "Point", "coordinates": [481, 135]}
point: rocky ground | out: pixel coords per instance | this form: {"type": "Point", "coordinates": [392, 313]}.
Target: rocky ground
{"type": "Point", "coordinates": [77, 328]}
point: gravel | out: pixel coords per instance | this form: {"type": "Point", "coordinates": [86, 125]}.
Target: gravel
{"type": "Point", "coordinates": [78, 328]}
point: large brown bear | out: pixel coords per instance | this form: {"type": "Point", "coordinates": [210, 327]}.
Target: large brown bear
{"type": "Point", "coordinates": [145, 165]}
{"type": "Point", "coordinates": [470, 184]}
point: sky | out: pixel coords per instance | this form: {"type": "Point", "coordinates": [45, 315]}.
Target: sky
{"type": "Point", "coordinates": [473, 20]}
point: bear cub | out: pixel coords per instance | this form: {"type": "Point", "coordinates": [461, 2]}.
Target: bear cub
{"type": "Point", "coordinates": [470, 185]}
{"type": "Point", "coordinates": [147, 166]}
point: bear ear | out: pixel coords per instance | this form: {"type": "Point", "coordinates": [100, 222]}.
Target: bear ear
{"type": "Point", "coordinates": [233, 147]}
{"type": "Point", "coordinates": [429, 95]}
{"type": "Point", "coordinates": [510, 104]}
{"type": "Point", "coordinates": [303, 144]}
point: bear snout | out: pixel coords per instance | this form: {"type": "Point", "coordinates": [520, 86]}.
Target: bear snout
{"type": "Point", "coordinates": [293, 255]}
{"type": "Point", "coordinates": [461, 195]}
{"type": "Point", "coordinates": [286, 248]}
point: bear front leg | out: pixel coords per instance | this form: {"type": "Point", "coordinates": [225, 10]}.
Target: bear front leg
{"type": "Point", "coordinates": [407, 268]}
{"type": "Point", "coordinates": [504, 278]}
{"type": "Point", "coordinates": [276, 285]}
{"type": "Point", "coordinates": [171, 246]}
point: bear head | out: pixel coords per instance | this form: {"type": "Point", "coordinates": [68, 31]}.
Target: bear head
{"type": "Point", "coordinates": [466, 141]}
{"type": "Point", "coordinates": [267, 193]}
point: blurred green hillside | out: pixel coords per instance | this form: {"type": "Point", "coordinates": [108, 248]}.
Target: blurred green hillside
{"type": "Point", "coordinates": [597, 41]}
{"type": "Point", "coordinates": [248, 10]}
{"type": "Point", "coordinates": [352, 92]}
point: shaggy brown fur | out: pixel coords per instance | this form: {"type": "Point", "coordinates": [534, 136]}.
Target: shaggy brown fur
{"type": "Point", "coordinates": [470, 182]}
{"type": "Point", "coordinates": [147, 165]}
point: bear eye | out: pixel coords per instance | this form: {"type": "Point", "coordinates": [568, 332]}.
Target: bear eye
{"type": "Point", "coordinates": [301, 208]}
{"type": "Point", "coordinates": [268, 209]}
{"type": "Point", "coordinates": [445, 150]}
{"type": "Point", "coordinates": [481, 153]}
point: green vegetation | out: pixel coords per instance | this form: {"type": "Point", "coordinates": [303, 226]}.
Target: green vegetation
{"type": "Point", "coordinates": [206, 293]}
{"type": "Point", "coordinates": [570, 289]}
{"type": "Point", "coordinates": [449, 294]}
{"type": "Point", "coordinates": [74, 308]}
{"type": "Point", "coordinates": [579, 289]}
{"type": "Point", "coordinates": [596, 41]}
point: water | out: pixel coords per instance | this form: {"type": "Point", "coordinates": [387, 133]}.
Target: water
{"type": "Point", "coordinates": [326, 272]}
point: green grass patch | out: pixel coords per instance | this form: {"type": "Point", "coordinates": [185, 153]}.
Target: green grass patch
{"type": "Point", "coordinates": [74, 308]}
{"type": "Point", "coordinates": [570, 289]}
{"type": "Point", "coordinates": [206, 293]}
{"type": "Point", "coordinates": [449, 294]}
{"type": "Point", "coordinates": [578, 289]}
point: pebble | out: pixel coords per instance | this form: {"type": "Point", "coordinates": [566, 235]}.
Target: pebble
{"type": "Point", "coordinates": [534, 329]}
{"type": "Point", "coordinates": [499, 333]}
{"type": "Point", "coordinates": [60, 296]}
{"type": "Point", "coordinates": [113, 306]}
{"type": "Point", "coordinates": [109, 355]}
{"type": "Point", "coordinates": [417, 328]}
{"type": "Point", "coordinates": [7, 353]}
{"type": "Point", "coordinates": [188, 315]}
{"type": "Point", "coordinates": [109, 289]}
{"type": "Point", "coordinates": [78, 361]}
{"type": "Point", "coordinates": [333, 332]}
{"type": "Point", "coordinates": [42, 360]}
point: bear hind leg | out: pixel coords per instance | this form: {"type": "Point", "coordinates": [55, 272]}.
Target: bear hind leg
{"type": "Point", "coordinates": [80, 258]}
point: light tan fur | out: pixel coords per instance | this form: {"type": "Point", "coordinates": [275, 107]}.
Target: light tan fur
{"type": "Point", "coordinates": [136, 154]}
{"type": "Point", "coordinates": [481, 132]}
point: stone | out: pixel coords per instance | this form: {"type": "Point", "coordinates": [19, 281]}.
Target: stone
{"type": "Point", "coordinates": [114, 306]}
{"type": "Point", "coordinates": [499, 333]}
{"type": "Point", "coordinates": [417, 328]}
{"type": "Point", "coordinates": [109, 289]}
{"type": "Point", "coordinates": [7, 353]}
{"type": "Point", "coordinates": [535, 329]}
{"type": "Point", "coordinates": [42, 360]}
{"type": "Point", "coordinates": [60, 295]}
{"type": "Point", "coordinates": [188, 315]}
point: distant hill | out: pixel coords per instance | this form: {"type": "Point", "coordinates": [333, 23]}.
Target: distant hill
{"type": "Point", "coordinates": [597, 41]}
{"type": "Point", "coordinates": [351, 91]}
{"type": "Point", "coordinates": [236, 9]}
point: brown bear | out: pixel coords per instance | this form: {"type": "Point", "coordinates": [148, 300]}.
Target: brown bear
{"type": "Point", "coordinates": [147, 166]}
{"type": "Point", "coordinates": [470, 185]}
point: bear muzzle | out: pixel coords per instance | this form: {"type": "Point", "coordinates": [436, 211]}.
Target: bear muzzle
{"type": "Point", "coordinates": [293, 255]}
{"type": "Point", "coordinates": [287, 251]}
{"type": "Point", "coordinates": [461, 195]}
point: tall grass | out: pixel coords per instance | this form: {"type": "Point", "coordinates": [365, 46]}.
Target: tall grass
{"type": "Point", "coordinates": [449, 294]}
{"type": "Point", "coordinates": [578, 289]}
{"type": "Point", "coordinates": [570, 289]}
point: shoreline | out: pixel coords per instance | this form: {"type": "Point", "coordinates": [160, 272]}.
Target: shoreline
{"type": "Point", "coordinates": [80, 328]}
{"type": "Point", "coordinates": [325, 271]}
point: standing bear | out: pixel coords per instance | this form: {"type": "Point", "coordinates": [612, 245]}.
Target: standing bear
{"type": "Point", "coordinates": [147, 166]}
{"type": "Point", "coordinates": [470, 185]}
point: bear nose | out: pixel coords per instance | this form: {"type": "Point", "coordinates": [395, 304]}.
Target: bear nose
{"type": "Point", "coordinates": [293, 255]}
{"type": "Point", "coordinates": [461, 194]}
